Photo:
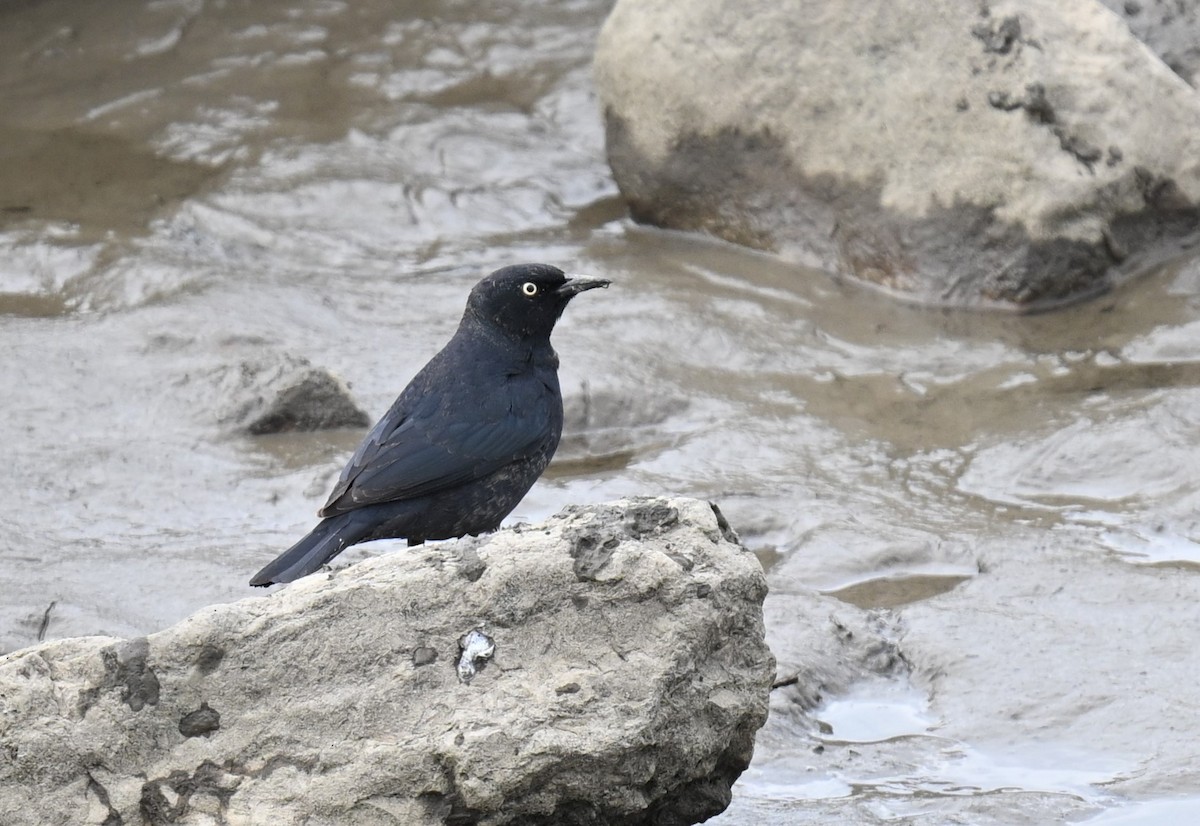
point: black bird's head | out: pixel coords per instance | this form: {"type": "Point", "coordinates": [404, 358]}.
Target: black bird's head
{"type": "Point", "coordinates": [524, 301]}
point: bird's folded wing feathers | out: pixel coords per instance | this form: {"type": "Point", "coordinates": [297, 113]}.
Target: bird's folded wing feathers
{"type": "Point", "coordinates": [418, 458]}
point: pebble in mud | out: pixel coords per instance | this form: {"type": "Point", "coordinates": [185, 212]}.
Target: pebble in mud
{"type": "Point", "coordinates": [476, 649]}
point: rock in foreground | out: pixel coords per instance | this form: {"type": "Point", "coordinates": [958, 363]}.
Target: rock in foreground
{"type": "Point", "coordinates": [628, 678]}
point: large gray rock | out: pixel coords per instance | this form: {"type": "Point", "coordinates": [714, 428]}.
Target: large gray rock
{"type": "Point", "coordinates": [1014, 154]}
{"type": "Point", "coordinates": [628, 678]}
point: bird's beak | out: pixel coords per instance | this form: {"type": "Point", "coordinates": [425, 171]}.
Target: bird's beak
{"type": "Point", "coordinates": [578, 283]}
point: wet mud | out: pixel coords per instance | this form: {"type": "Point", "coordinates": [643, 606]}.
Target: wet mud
{"type": "Point", "coordinates": [994, 515]}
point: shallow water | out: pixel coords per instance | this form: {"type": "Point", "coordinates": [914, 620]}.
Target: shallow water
{"type": "Point", "coordinates": [188, 186]}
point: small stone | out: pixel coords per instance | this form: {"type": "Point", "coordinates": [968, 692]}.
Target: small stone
{"type": "Point", "coordinates": [477, 648]}
{"type": "Point", "coordinates": [285, 393]}
{"type": "Point", "coordinates": [424, 656]}
{"type": "Point", "coordinates": [202, 721]}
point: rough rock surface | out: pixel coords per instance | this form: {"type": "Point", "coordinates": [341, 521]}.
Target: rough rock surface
{"type": "Point", "coordinates": [282, 393]}
{"type": "Point", "coordinates": [628, 679]}
{"type": "Point", "coordinates": [1171, 28]}
{"type": "Point", "coordinates": [1014, 154]}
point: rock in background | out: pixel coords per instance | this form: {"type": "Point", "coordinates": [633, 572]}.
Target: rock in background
{"type": "Point", "coordinates": [278, 392]}
{"type": "Point", "coordinates": [1014, 154]}
{"type": "Point", "coordinates": [628, 678]}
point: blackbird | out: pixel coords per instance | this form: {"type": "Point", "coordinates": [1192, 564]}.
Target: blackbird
{"type": "Point", "coordinates": [467, 438]}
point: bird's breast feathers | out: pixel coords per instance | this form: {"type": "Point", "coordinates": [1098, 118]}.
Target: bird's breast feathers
{"type": "Point", "coordinates": [427, 448]}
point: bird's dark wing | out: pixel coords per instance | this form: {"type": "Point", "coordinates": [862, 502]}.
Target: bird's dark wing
{"type": "Point", "coordinates": [418, 452]}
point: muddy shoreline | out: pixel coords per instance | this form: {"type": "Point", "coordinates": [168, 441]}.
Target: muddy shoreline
{"type": "Point", "coordinates": [999, 511]}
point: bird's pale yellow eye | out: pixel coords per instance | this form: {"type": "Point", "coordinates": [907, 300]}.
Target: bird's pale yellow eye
{"type": "Point", "coordinates": [529, 288]}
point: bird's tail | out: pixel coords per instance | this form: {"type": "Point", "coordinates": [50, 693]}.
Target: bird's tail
{"type": "Point", "coordinates": [328, 539]}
